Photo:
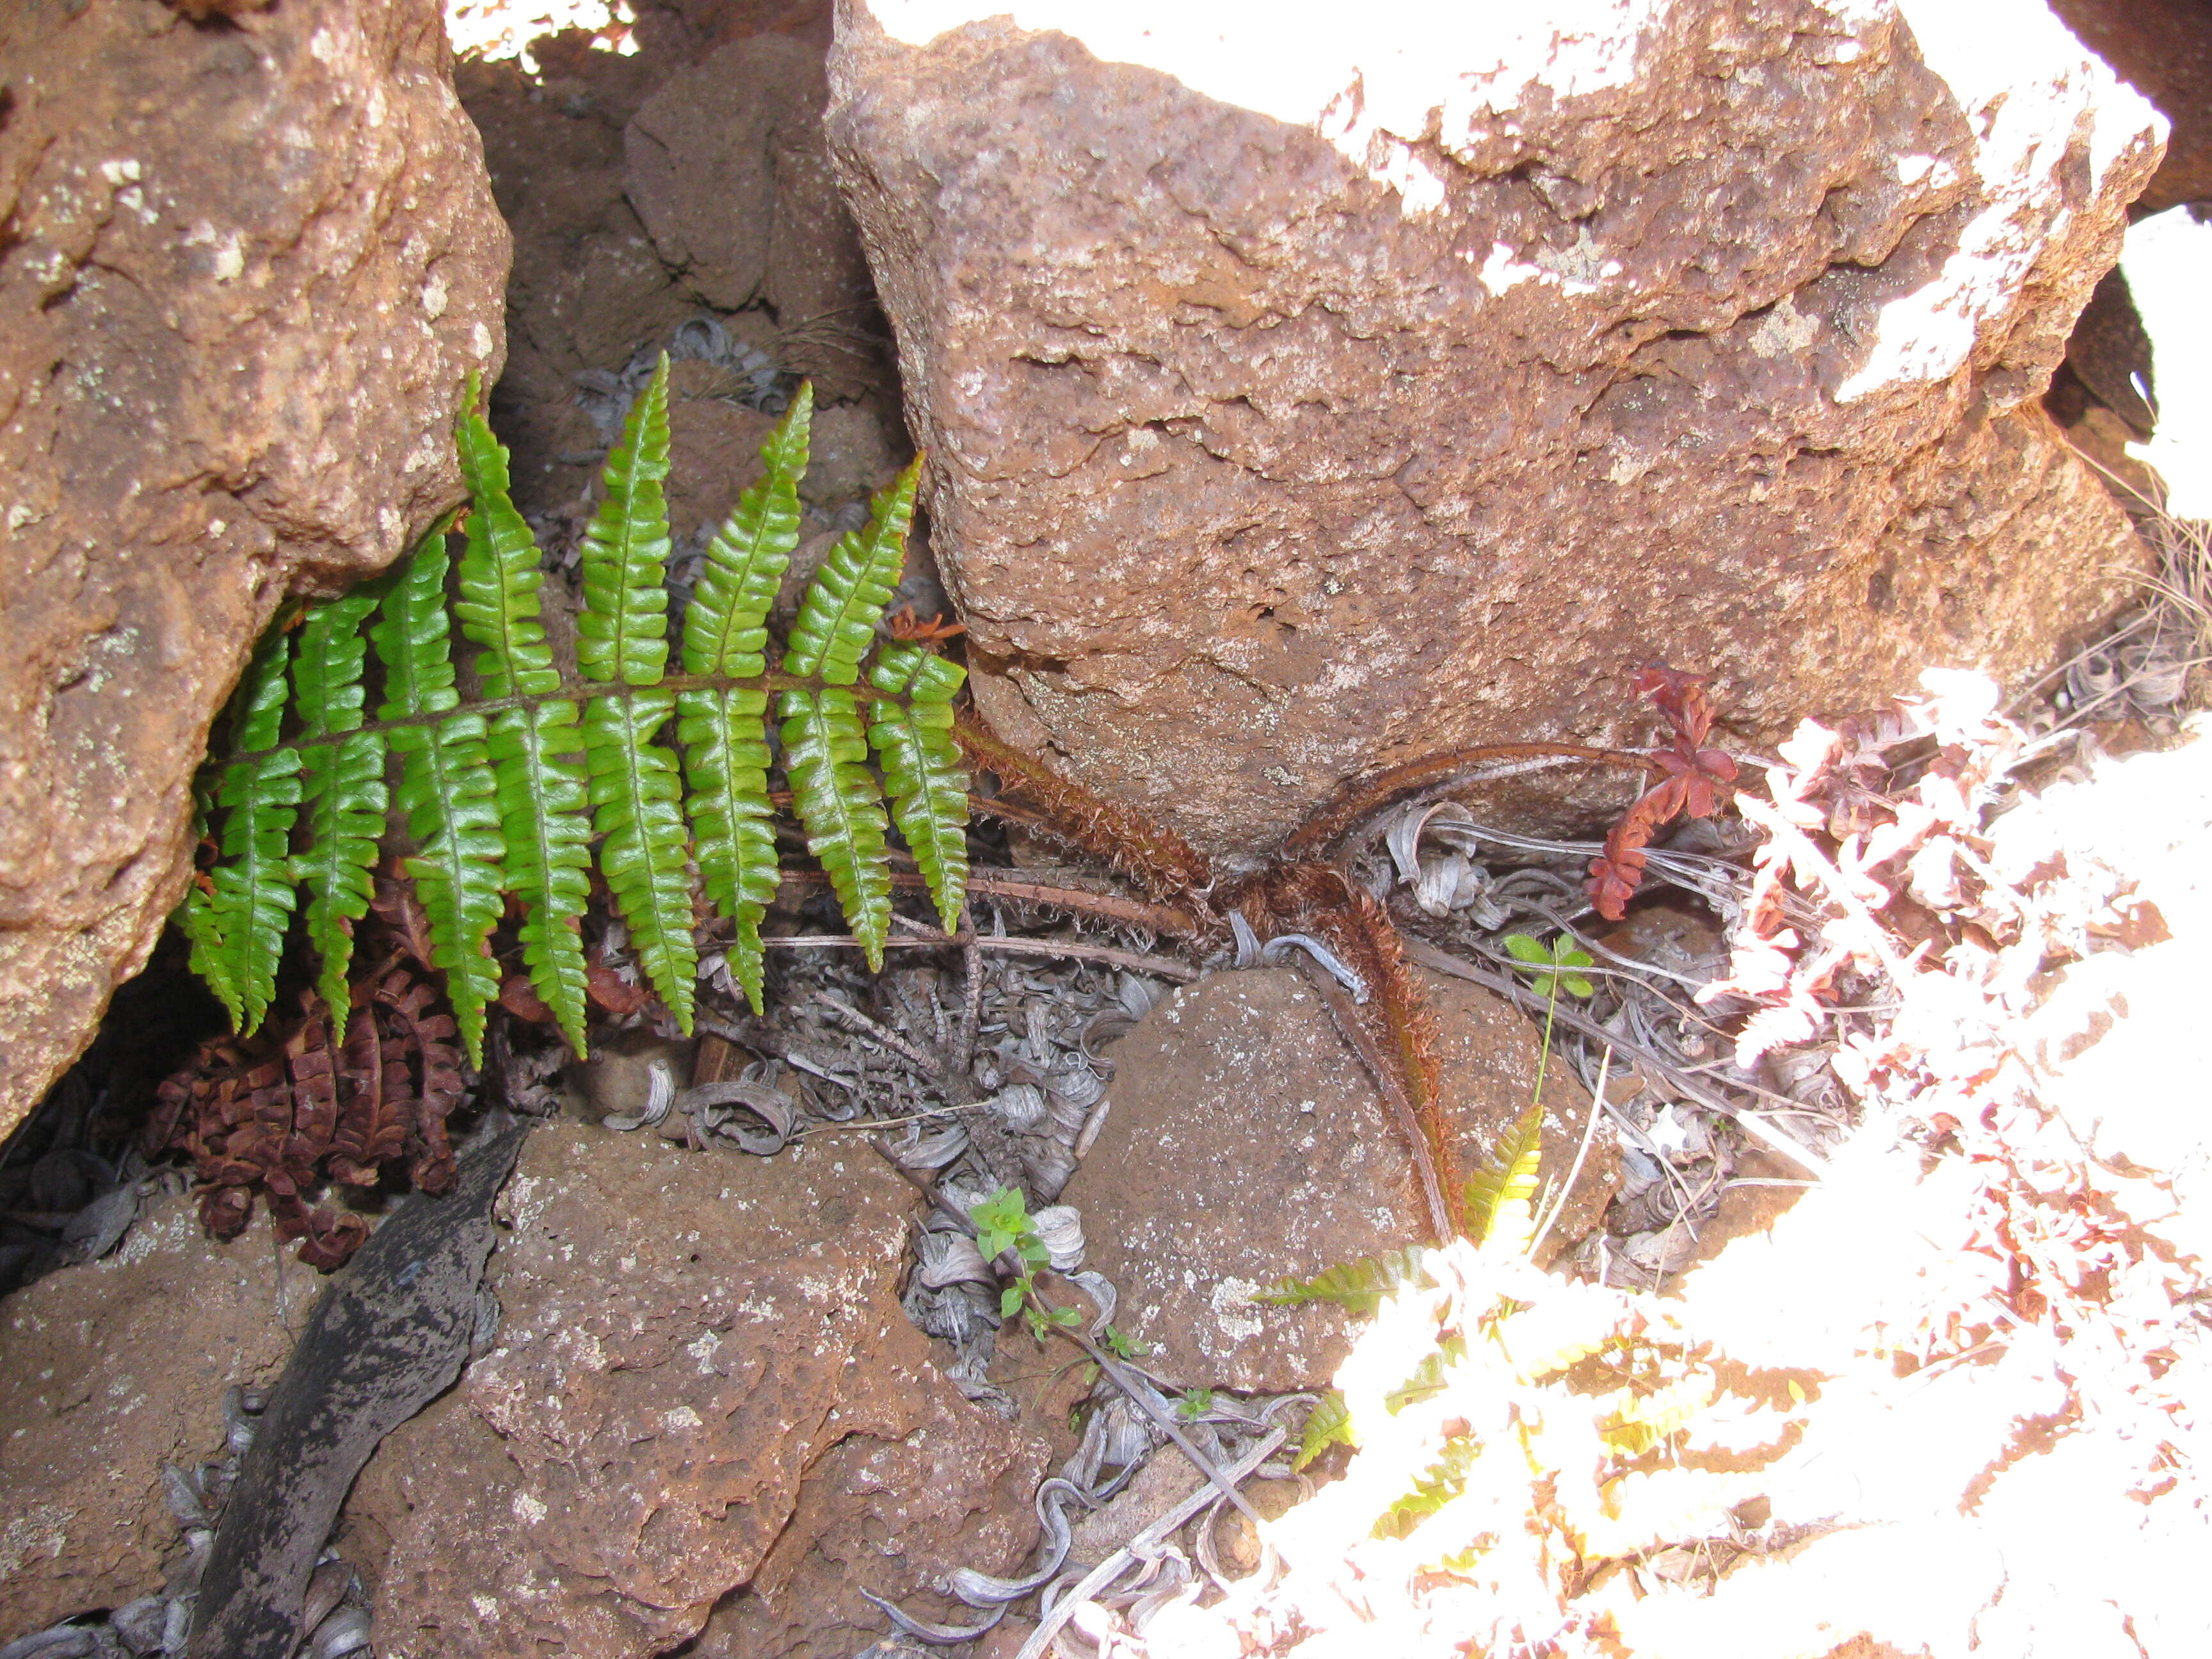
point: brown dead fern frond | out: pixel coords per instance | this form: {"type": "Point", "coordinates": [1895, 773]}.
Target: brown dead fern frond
{"type": "Point", "coordinates": [1158, 859]}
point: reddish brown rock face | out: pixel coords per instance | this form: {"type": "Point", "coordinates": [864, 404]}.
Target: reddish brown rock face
{"type": "Point", "coordinates": [2162, 48]}
{"type": "Point", "coordinates": [702, 1379]}
{"type": "Point", "coordinates": [111, 1369]}
{"type": "Point", "coordinates": [247, 266]}
{"type": "Point", "coordinates": [1287, 425]}
{"type": "Point", "coordinates": [1246, 1143]}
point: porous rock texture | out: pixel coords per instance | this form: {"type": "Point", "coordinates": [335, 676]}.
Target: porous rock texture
{"type": "Point", "coordinates": [247, 264]}
{"type": "Point", "coordinates": [109, 1370]}
{"type": "Point", "coordinates": [702, 1379]}
{"type": "Point", "coordinates": [1245, 1143]}
{"type": "Point", "coordinates": [1308, 398]}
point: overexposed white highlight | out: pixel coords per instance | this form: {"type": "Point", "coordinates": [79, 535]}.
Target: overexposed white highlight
{"type": "Point", "coordinates": [2168, 265]}
{"type": "Point", "coordinates": [1375, 82]}
{"type": "Point", "coordinates": [500, 29]}
{"type": "Point", "coordinates": [2026, 84]}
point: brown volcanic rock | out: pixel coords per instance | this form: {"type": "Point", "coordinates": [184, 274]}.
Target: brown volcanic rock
{"type": "Point", "coordinates": [684, 1339]}
{"type": "Point", "coordinates": [1400, 385]}
{"type": "Point", "coordinates": [2163, 48]}
{"type": "Point", "coordinates": [1245, 1145]}
{"type": "Point", "coordinates": [110, 1369]}
{"type": "Point", "coordinates": [247, 267]}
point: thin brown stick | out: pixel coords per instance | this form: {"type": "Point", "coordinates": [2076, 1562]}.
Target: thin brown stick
{"type": "Point", "coordinates": [1164, 966]}
{"type": "Point", "coordinates": [1113, 907]}
{"type": "Point", "coordinates": [875, 1031]}
{"type": "Point", "coordinates": [1357, 801]}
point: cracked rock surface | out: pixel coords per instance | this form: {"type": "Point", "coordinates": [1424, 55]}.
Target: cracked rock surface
{"type": "Point", "coordinates": [1296, 412]}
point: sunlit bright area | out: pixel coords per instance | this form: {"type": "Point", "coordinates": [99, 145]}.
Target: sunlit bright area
{"type": "Point", "coordinates": [501, 29]}
{"type": "Point", "coordinates": [2168, 256]}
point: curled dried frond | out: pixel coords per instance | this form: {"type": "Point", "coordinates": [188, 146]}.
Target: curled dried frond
{"type": "Point", "coordinates": [282, 1114]}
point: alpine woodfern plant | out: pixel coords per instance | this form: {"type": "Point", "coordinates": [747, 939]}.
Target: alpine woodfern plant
{"type": "Point", "coordinates": [505, 794]}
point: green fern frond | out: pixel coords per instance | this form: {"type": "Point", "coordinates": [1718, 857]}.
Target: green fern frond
{"type": "Point", "coordinates": [724, 739]}
{"type": "Point", "coordinates": [326, 684]}
{"type": "Point", "coordinates": [445, 789]}
{"type": "Point", "coordinates": [922, 773]}
{"type": "Point", "coordinates": [239, 929]}
{"type": "Point", "coordinates": [538, 782]}
{"type": "Point", "coordinates": [633, 791]}
{"type": "Point", "coordinates": [505, 795]}
{"type": "Point", "coordinates": [840, 806]}
{"type": "Point", "coordinates": [498, 580]}
{"type": "Point", "coordinates": [837, 619]}
{"type": "Point", "coordinates": [344, 788]}
{"type": "Point", "coordinates": [725, 631]}
{"type": "Point", "coordinates": [1499, 1205]}
{"type": "Point", "coordinates": [1639, 1422]}
{"type": "Point", "coordinates": [412, 641]}
{"type": "Point", "coordinates": [1357, 1286]}
{"type": "Point", "coordinates": [1329, 1423]}
{"type": "Point", "coordinates": [623, 632]}
{"type": "Point", "coordinates": [347, 802]}
{"type": "Point", "coordinates": [539, 787]}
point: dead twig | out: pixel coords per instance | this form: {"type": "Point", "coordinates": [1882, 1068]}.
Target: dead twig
{"type": "Point", "coordinates": [1393, 1090]}
{"type": "Point", "coordinates": [1111, 907]}
{"type": "Point", "coordinates": [1650, 1060]}
{"type": "Point", "coordinates": [1162, 967]}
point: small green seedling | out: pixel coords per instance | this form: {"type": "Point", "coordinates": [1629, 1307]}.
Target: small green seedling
{"type": "Point", "coordinates": [1551, 966]}
{"type": "Point", "coordinates": [1002, 1225]}
{"type": "Point", "coordinates": [1194, 1404]}
{"type": "Point", "coordinates": [1124, 1346]}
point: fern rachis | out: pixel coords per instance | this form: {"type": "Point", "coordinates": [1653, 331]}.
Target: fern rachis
{"type": "Point", "coordinates": [504, 795]}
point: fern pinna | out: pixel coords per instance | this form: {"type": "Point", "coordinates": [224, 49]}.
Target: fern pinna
{"type": "Point", "coordinates": [503, 795]}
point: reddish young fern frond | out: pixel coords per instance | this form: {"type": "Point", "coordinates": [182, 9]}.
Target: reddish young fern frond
{"type": "Point", "coordinates": [1161, 861]}
{"type": "Point", "coordinates": [1694, 782]}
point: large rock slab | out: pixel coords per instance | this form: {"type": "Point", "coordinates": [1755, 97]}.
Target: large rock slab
{"type": "Point", "coordinates": [248, 263]}
{"type": "Point", "coordinates": [685, 1340]}
{"type": "Point", "coordinates": [1304, 399]}
{"type": "Point", "coordinates": [109, 1370]}
{"type": "Point", "coordinates": [1246, 1145]}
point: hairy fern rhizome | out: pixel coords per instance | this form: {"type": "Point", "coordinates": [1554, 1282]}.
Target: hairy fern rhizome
{"type": "Point", "coordinates": [504, 795]}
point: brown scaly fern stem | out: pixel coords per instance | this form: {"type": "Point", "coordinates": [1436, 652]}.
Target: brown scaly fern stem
{"type": "Point", "coordinates": [1168, 867]}
{"type": "Point", "coordinates": [1393, 1030]}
